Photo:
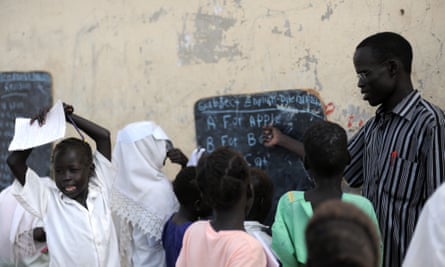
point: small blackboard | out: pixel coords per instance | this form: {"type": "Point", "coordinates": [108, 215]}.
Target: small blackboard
{"type": "Point", "coordinates": [237, 121]}
{"type": "Point", "coordinates": [22, 94]}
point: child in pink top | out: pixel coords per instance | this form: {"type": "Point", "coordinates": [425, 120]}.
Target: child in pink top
{"type": "Point", "coordinates": [223, 178]}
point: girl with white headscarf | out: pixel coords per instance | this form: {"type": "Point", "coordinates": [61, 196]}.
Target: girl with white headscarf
{"type": "Point", "coordinates": [143, 198]}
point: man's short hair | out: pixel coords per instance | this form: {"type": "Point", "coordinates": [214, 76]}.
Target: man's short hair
{"type": "Point", "coordinates": [386, 45]}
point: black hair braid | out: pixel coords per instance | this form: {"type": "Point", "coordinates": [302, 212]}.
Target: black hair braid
{"type": "Point", "coordinates": [222, 176]}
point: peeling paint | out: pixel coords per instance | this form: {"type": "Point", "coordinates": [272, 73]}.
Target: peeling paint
{"type": "Point", "coordinates": [355, 117]}
{"type": "Point", "coordinates": [155, 16]}
{"type": "Point", "coordinates": [218, 9]}
{"type": "Point", "coordinates": [420, 85]}
{"type": "Point", "coordinates": [287, 27]}
{"type": "Point", "coordinates": [328, 13]}
{"type": "Point", "coordinates": [206, 44]}
{"type": "Point", "coordinates": [311, 62]}
{"type": "Point", "coordinates": [329, 108]}
{"type": "Point", "coordinates": [286, 31]}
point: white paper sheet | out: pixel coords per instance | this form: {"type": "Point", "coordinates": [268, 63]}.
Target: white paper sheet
{"type": "Point", "coordinates": [28, 135]}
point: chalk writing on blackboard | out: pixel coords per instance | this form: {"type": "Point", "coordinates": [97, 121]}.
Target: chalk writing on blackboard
{"type": "Point", "coordinates": [237, 121]}
{"type": "Point", "coordinates": [22, 94]}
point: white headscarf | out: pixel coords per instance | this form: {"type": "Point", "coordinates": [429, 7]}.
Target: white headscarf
{"type": "Point", "coordinates": [142, 194]}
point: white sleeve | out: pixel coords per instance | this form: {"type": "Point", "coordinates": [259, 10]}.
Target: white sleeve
{"type": "Point", "coordinates": [33, 196]}
{"type": "Point", "coordinates": [427, 247]}
{"type": "Point", "coordinates": [105, 172]}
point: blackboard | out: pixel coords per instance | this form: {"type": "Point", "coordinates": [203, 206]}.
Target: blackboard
{"type": "Point", "coordinates": [237, 121]}
{"type": "Point", "coordinates": [22, 94]}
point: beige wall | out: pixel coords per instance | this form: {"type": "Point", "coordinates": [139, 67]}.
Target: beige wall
{"type": "Point", "coordinates": [123, 61]}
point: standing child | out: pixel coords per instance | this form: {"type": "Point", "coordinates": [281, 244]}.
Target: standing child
{"type": "Point", "coordinates": [143, 198]}
{"type": "Point", "coordinates": [263, 191]}
{"type": "Point", "coordinates": [191, 209]}
{"type": "Point", "coordinates": [326, 156]}
{"type": "Point", "coordinates": [76, 211]}
{"type": "Point", "coordinates": [223, 178]}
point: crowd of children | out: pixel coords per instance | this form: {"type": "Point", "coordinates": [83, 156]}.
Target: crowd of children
{"type": "Point", "coordinates": [118, 208]}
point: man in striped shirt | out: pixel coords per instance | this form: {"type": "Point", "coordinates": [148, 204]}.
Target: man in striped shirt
{"type": "Point", "coordinates": [398, 155]}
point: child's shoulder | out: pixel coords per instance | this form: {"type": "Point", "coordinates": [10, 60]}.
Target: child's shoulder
{"type": "Point", "coordinates": [292, 196]}
{"type": "Point", "coordinates": [358, 200]}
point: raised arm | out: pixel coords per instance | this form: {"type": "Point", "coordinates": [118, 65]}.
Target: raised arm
{"type": "Point", "coordinates": [273, 136]}
{"type": "Point", "coordinates": [177, 156]}
{"type": "Point", "coordinates": [17, 163]}
{"type": "Point", "coordinates": [99, 134]}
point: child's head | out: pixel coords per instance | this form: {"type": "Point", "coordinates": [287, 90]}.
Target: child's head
{"type": "Point", "coordinates": [326, 151]}
{"type": "Point", "coordinates": [223, 178]}
{"type": "Point", "coordinates": [187, 192]}
{"type": "Point", "coordinates": [263, 189]}
{"type": "Point", "coordinates": [340, 234]}
{"type": "Point", "coordinates": [72, 166]}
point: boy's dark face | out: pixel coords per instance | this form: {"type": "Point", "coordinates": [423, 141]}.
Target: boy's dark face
{"type": "Point", "coordinates": [374, 80]}
{"type": "Point", "coordinates": [72, 173]}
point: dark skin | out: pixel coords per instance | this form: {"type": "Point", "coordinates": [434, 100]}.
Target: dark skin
{"type": "Point", "coordinates": [274, 137]}
{"type": "Point", "coordinates": [233, 218]}
{"type": "Point", "coordinates": [386, 83]}
{"type": "Point", "coordinates": [185, 214]}
{"type": "Point", "coordinates": [68, 165]}
{"type": "Point", "coordinates": [39, 234]}
{"type": "Point", "coordinates": [326, 188]}
{"type": "Point", "coordinates": [177, 156]}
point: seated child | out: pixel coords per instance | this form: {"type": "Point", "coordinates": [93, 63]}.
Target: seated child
{"type": "Point", "coordinates": [191, 209]}
{"type": "Point", "coordinates": [75, 210]}
{"type": "Point", "coordinates": [341, 234]}
{"type": "Point", "coordinates": [223, 178]}
{"type": "Point", "coordinates": [262, 202]}
{"type": "Point", "coordinates": [326, 156]}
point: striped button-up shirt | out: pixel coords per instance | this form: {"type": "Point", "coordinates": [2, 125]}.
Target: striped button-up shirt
{"type": "Point", "coordinates": [398, 158]}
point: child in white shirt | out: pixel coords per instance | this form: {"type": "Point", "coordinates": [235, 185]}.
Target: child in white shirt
{"type": "Point", "coordinates": [75, 210]}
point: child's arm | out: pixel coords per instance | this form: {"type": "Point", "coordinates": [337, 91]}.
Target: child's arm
{"type": "Point", "coordinates": [273, 136]}
{"type": "Point", "coordinates": [17, 159]}
{"type": "Point", "coordinates": [176, 156]}
{"type": "Point", "coordinates": [99, 134]}
{"type": "Point", "coordinates": [17, 163]}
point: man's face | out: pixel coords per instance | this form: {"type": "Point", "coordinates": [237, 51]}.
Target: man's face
{"type": "Point", "coordinates": [374, 80]}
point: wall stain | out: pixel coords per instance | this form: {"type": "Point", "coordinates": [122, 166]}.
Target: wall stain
{"type": "Point", "coordinates": [328, 13]}
{"type": "Point", "coordinates": [286, 31]}
{"type": "Point", "coordinates": [155, 16]}
{"type": "Point", "coordinates": [355, 117]}
{"type": "Point", "coordinates": [207, 43]}
{"type": "Point", "coordinates": [308, 62]}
